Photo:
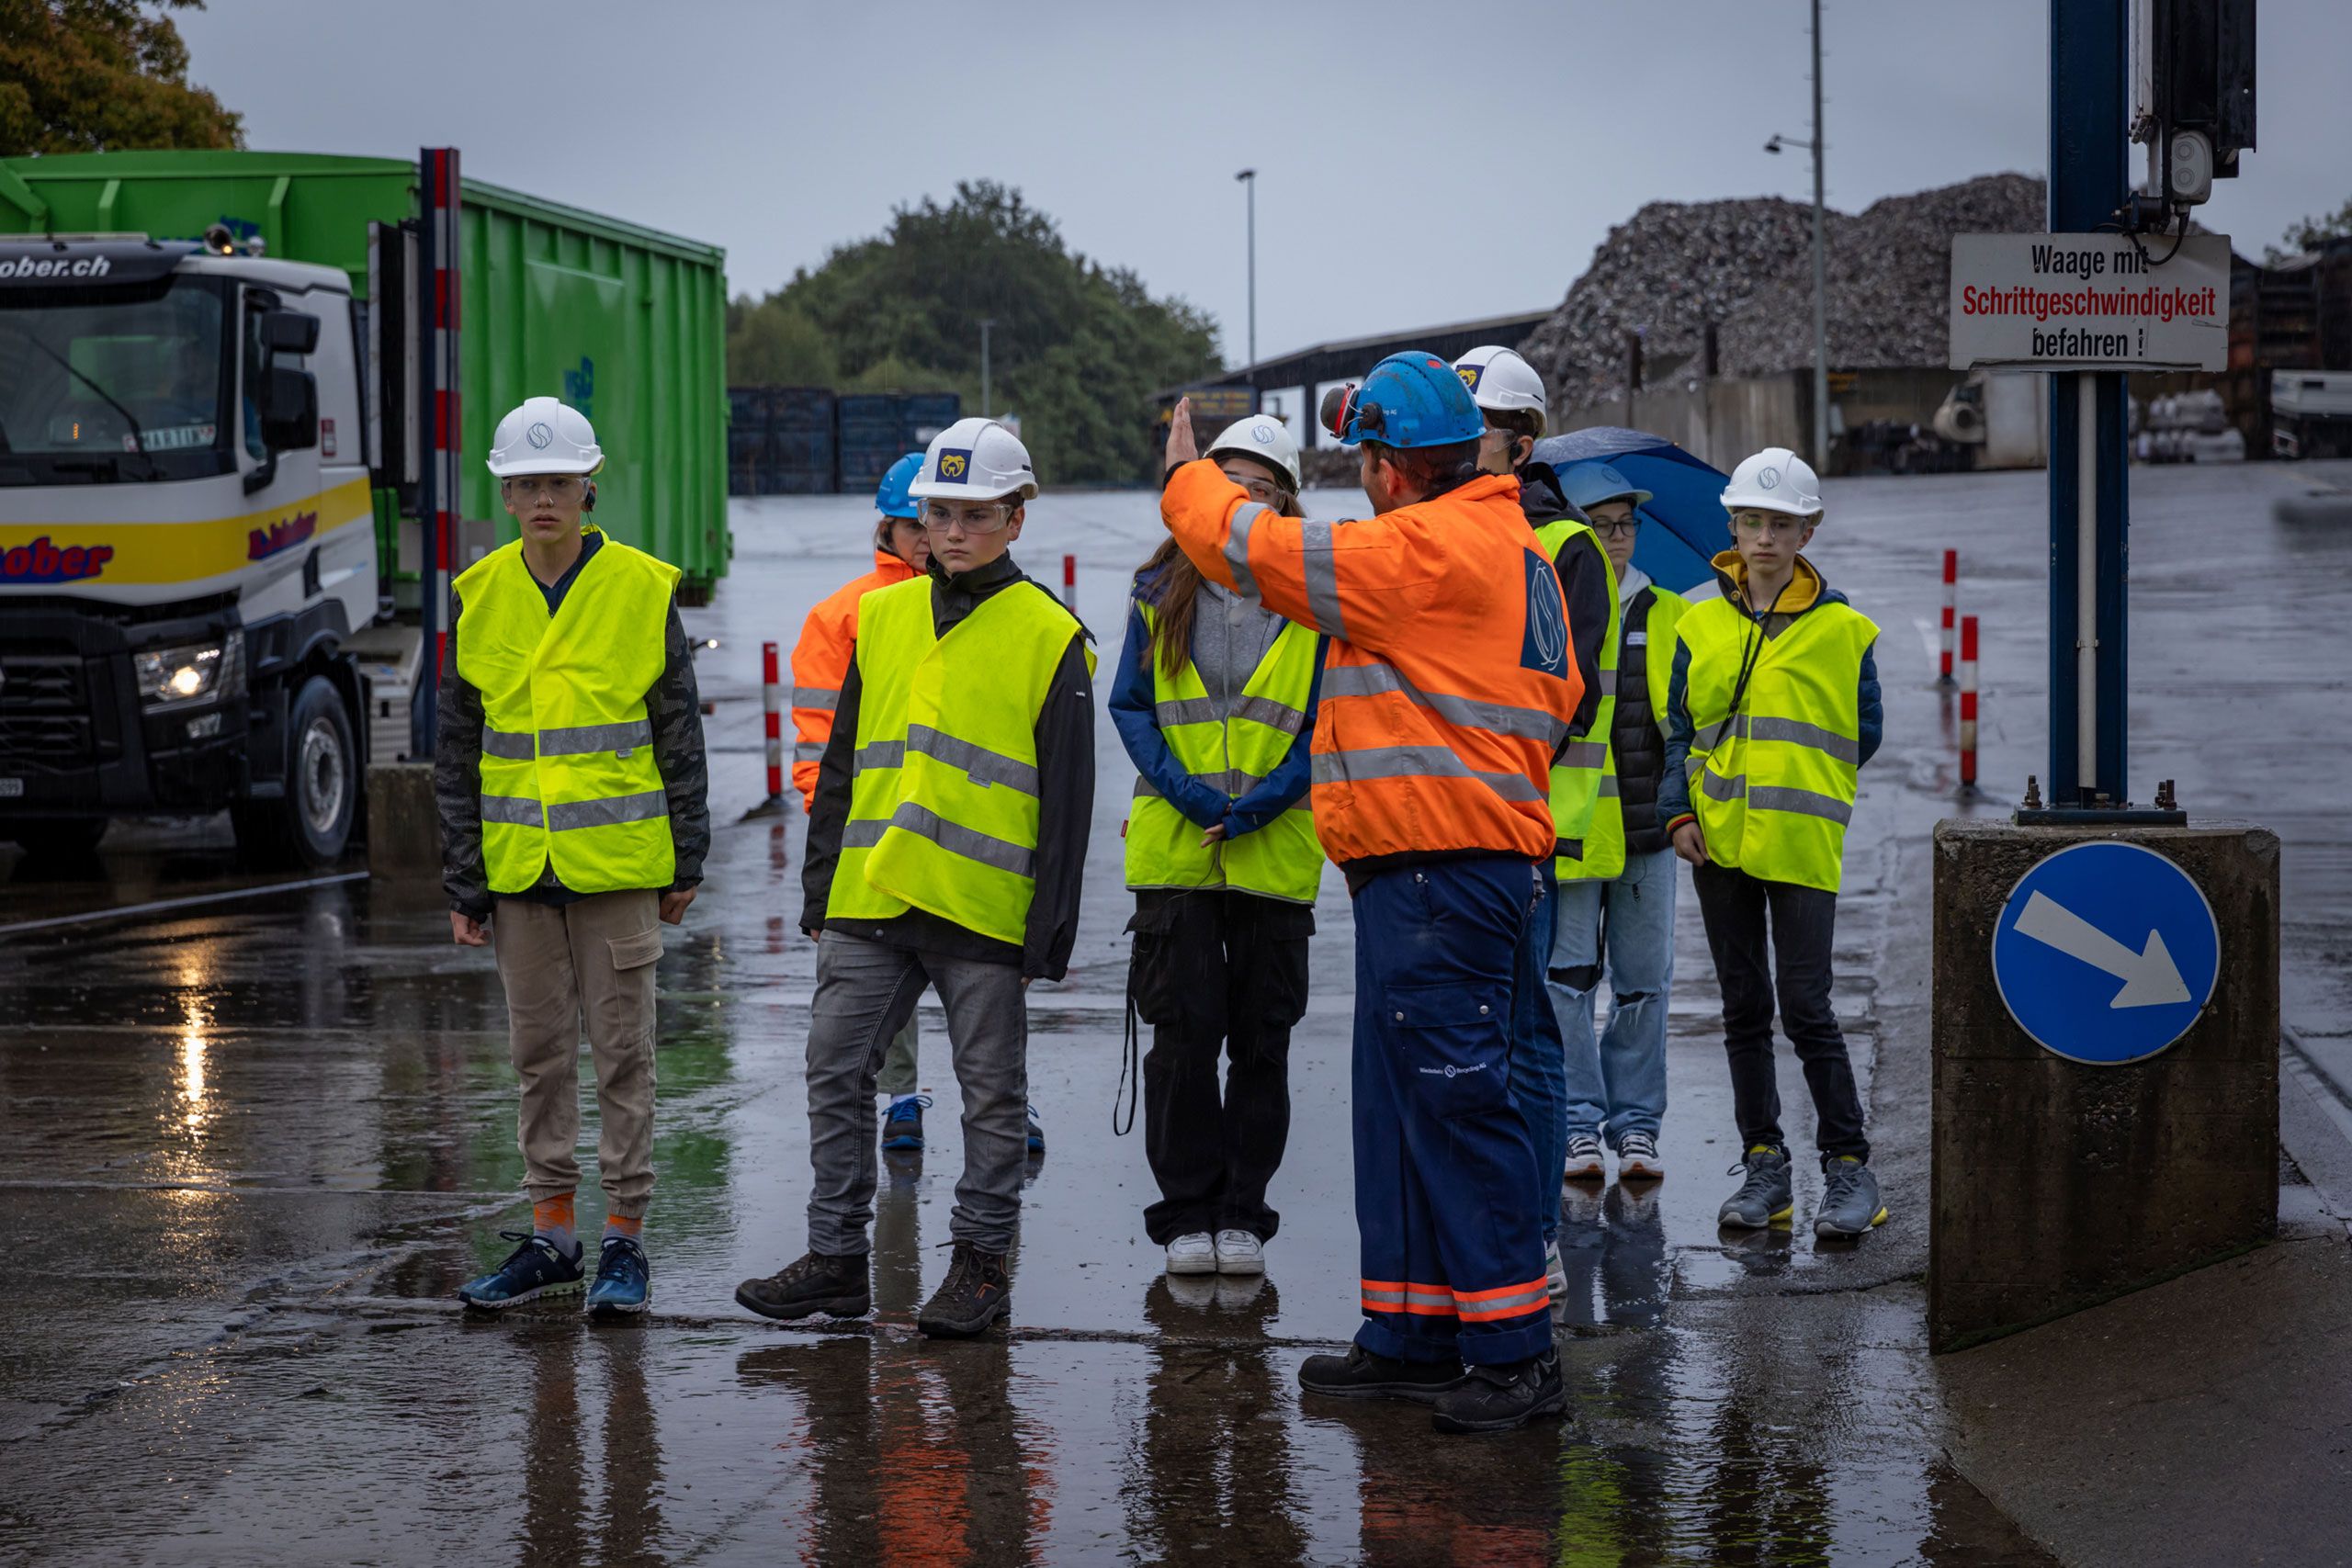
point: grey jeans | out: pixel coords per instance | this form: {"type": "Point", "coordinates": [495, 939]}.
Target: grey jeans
{"type": "Point", "coordinates": [865, 993]}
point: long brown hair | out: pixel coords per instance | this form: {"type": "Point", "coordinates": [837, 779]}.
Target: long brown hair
{"type": "Point", "coordinates": [1178, 598]}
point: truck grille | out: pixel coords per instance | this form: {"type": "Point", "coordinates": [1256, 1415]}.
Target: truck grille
{"type": "Point", "coordinates": [44, 713]}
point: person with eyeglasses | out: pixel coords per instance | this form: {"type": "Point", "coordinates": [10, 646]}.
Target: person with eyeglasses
{"type": "Point", "coordinates": [946, 847]}
{"type": "Point", "coordinates": [1773, 707]}
{"type": "Point", "coordinates": [1447, 690]}
{"type": "Point", "coordinates": [569, 777]}
{"type": "Point", "coordinates": [1510, 399]}
{"type": "Point", "coordinates": [1616, 904]}
{"type": "Point", "coordinates": [1215, 701]}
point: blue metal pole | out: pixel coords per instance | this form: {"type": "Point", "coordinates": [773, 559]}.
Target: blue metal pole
{"type": "Point", "coordinates": [2090, 182]}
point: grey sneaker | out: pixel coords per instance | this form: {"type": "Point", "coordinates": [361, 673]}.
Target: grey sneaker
{"type": "Point", "coordinates": [1849, 1204]}
{"type": "Point", "coordinates": [1584, 1162]}
{"type": "Point", "coordinates": [1764, 1199]}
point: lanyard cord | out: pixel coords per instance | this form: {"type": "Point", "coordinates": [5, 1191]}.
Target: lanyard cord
{"type": "Point", "coordinates": [1754, 652]}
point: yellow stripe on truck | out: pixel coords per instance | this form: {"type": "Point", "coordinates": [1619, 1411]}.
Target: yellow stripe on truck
{"type": "Point", "coordinates": [49, 554]}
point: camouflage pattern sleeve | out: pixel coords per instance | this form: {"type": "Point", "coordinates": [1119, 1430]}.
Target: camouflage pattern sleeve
{"type": "Point", "coordinates": [676, 707]}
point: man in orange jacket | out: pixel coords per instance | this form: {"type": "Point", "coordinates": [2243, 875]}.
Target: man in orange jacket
{"type": "Point", "coordinates": [1446, 693]}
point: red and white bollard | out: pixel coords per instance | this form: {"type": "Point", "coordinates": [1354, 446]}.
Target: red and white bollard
{"type": "Point", "coordinates": [1968, 705]}
{"type": "Point", "coordinates": [1070, 582]}
{"type": "Point", "coordinates": [772, 709]}
{"type": "Point", "coordinates": [1952, 599]}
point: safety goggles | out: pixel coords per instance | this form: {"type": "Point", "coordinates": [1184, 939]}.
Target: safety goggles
{"type": "Point", "coordinates": [969, 517]}
{"type": "Point", "coordinates": [1262, 491]}
{"type": "Point", "coordinates": [559, 488]}
{"type": "Point", "coordinates": [1779, 523]}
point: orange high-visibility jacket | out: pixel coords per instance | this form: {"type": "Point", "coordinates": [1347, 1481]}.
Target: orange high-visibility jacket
{"type": "Point", "coordinates": [820, 661]}
{"type": "Point", "coordinates": [1449, 684]}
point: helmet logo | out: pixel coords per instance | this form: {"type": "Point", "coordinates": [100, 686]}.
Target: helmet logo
{"type": "Point", "coordinates": [1470, 374]}
{"type": "Point", "coordinates": [1769, 478]}
{"type": "Point", "coordinates": [1263, 435]}
{"type": "Point", "coordinates": [953, 465]}
{"type": "Point", "coordinates": [539, 436]}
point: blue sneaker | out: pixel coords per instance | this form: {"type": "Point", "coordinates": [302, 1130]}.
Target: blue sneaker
{"type": "Point", "coordinates": [902, 1124]}
{"type": "Point", "coordinates": [1037, 1133]}
{"type": "Point", "coordinates": [533, 1270]}
{"type": "Point", "coordinates": [624, 1280]}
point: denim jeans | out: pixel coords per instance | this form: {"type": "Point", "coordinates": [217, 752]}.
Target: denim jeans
{"type": "Point", "coordinates": [1538, 1075]}
{"type": "Point", "coordinates": [1616, 1083]}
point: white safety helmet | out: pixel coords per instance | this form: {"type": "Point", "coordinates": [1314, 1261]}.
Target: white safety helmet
{"type": "Point", "coordinates": [544, 435]}
{"type": "Point", "coordinates": [1775, 479]}
{"type": "Point", "coordinates": [1500, 380]}
{"type": "Point", "coordinates": [974, 459]}
{"type": "Point", "coordinates": [1263, 437]}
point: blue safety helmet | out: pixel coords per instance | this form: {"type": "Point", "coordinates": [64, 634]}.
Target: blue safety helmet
{"type": "Point", "coordinates": [1586, 485]}
{"type": "Point", "coordinates": [1413, 398]}
{"type": "Point", "coordinates": [892, 500]}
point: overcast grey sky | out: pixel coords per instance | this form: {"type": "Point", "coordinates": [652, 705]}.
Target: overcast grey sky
{"type": "Point", "coordinates": [1419, 163]}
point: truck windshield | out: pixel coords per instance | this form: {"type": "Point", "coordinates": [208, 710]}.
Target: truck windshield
{"type": "Point", "coordinates": [101, 385]}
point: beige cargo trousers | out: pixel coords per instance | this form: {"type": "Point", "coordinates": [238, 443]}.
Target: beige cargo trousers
{"type": "Point", "coordinates": [589, 963]}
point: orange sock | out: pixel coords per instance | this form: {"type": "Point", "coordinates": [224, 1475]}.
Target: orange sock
{"type": "Point", "coordinates": [631, 1227]}
{"type": "Point", "coordinates": [553, 1216]}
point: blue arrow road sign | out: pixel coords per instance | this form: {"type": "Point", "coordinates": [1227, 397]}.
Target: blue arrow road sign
{"type": "Point", "coordinates": [2106, 953]}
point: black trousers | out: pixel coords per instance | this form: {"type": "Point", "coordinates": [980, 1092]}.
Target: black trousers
{"type": "Point", "coordinates": [1217, 970]}
{"type": "Point", "coordinates": [1803, 921]}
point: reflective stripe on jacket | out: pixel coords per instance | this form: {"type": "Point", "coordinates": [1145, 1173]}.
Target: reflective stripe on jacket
{"type": "Point", "coordinates": [1775, 734]}
{"type": "Point", "coordinates": [568, 771]}
{"type": "Point", "coordinates": [1448, 684]}
{"type": "Point", "coordinates": [1231, 743]}
{"type": "Point", "coordinates": [944, 796]}
{"type": "Point", "coordinates": [820, 662]}
{"type": "Point", "coordinates": [1582, 775]}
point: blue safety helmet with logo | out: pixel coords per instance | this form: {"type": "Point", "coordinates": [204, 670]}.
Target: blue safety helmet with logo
{"type": "Point", "coordinates": [893, 500]}
{"type": "Point", "coordinates": [1588, 485]}
{"type": "Point", "coordinates": [1410, 400]}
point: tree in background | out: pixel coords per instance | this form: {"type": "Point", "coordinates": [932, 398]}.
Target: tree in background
{"type": "Point", "coordinates": [1076, 350]}
{"type": "Point", "coordinates": [2310, 234]}
{"type": "Point", "coordinates": [100, 75]}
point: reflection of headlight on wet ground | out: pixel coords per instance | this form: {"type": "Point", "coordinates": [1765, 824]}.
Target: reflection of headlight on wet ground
{"type": "Point", "coordinates": [192, 672]}
{"type": "Point", "coordinates": [192, 1051]}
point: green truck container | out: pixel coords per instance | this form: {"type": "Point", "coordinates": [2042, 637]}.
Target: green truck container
{"type": "Point", "coordinates": [210, 568]}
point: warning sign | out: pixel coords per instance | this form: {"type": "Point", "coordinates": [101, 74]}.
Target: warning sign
{"type": "Point", "coordinates": [2090, 302]}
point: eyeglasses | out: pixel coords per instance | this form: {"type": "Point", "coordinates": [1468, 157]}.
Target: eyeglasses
{"type": "Point", "coordinates": [555, 487]}
{"type": "Point", "coordinates": [1262, 491]}
{"type": "Point", "coordinates": [979, 518]}
{"type": "Point", "coordinates": [1780, 525]}
{"type": "Point", "coordinates": [1624, 530]}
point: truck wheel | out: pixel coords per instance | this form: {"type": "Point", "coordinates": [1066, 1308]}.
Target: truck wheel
{"type": "Point", "coordinates": [310, 824]}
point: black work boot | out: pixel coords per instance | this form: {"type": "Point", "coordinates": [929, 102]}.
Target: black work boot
{"type": "Point", "coordinates": [1497, 1399]}
{"type": "Point", "coordinates": [837, 1287]}
{"type": "Point", "coordinates": [975, 1294]}
{"type": "Point", "coordinates": [1360, 1374]}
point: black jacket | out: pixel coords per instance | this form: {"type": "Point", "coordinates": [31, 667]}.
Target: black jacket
{"type": "Point", "coordinates": [1584, 583]}
{"type": "Point", "coordinates": [1640, 745]}
{"type": "Point", "coordinates": [674, 707]}
{"type": "Point", "coordinates": [1065, 737]}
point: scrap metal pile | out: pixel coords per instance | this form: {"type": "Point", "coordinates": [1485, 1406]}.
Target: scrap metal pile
{"type": "Point", "coordinates": [1747, 265]}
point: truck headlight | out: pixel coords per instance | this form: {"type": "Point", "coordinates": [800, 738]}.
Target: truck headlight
{"type": "Point", "coordinates": [171, 676]}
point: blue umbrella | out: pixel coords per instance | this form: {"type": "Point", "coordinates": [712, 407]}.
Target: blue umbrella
{"type": "Point", "coordinates": [1685, 512]}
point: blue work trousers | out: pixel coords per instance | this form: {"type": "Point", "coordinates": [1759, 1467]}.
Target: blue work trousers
{"type": "Point", "coordinates": [1453, 1246]}
{"type": "Point", "coordinates": [1539, 1064]}
{"type": "Point", "coordinates": [1624, 928]}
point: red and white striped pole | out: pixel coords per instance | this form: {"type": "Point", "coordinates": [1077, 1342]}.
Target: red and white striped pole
{"type": "Point", "coordinates": [1069, 581]}
{"type": "Point", "coordinates": [437, 292]}
{"type": "Point", "coordinates": [1952, 599]}
{"type": "Point", "coordinates": [1968, 705]}
{"type": "Point", "coordinates": [772, 707]}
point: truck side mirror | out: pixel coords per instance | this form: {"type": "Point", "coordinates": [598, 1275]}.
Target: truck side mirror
{"type": "Point", "coordinates": [290, 332]}
{"type": "Point", "coordinates": [290, 405]}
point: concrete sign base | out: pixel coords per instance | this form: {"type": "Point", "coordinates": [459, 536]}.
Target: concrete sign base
{"type": "Point", "coordinates": [2059, 1183]}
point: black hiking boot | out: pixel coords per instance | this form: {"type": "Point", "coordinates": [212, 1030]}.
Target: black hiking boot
{"type": "Point", "coordinates": [1360, 1374]}
{"type": "Point", "coordinates": [975, 1294]}
{"type": "Point", "coordinates": [1498, 1399]}
{"type": "Point", "coordinates": [838, 1287]}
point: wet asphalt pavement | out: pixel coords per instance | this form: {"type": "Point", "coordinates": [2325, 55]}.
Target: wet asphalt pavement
{"type": "Point", "coordinates": [249, 1148]}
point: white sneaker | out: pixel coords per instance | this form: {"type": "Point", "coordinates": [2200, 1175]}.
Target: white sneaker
{"type": "Point", "coordinates": [1193, 1253]}
{"type": "Point", "coordinates": [1239, 1252]}
{"type": "Point", "coordinates": [1585, 1162]}
{"type": "Point", "coordinates": [1637, 1158]}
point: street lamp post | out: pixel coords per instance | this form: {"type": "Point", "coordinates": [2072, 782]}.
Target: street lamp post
{"type": "Point", "coordinates": [1250, 177]}
{"type": "Point", "coordinates": [988, 409]}
{"type": "Point", "coordinates": [1820, 264]}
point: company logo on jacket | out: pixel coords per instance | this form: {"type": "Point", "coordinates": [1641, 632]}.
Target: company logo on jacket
{"type": "Point", "coordinates": [1546, 645]}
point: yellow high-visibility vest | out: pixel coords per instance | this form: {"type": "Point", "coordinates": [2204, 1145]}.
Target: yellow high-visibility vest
{"type": "Point", "coordinates": [1583, 769]}
{"type": "Point", "coordinates": [568, 773]}
{"type": "Point", "coordinates": [1233, 751]}
{"type": "Point", "coordinates": [943, 795]}
{"type": "Point", "coordinates": [1773, 784]}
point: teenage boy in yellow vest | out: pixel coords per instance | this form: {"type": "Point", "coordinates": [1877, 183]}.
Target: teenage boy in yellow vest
{"type": "Point", "coordinates": [569, 770]}
{"type": "Point", "coordinates": [945, 847]}
{"type": "Point", "coordinates": [1773, 707]}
